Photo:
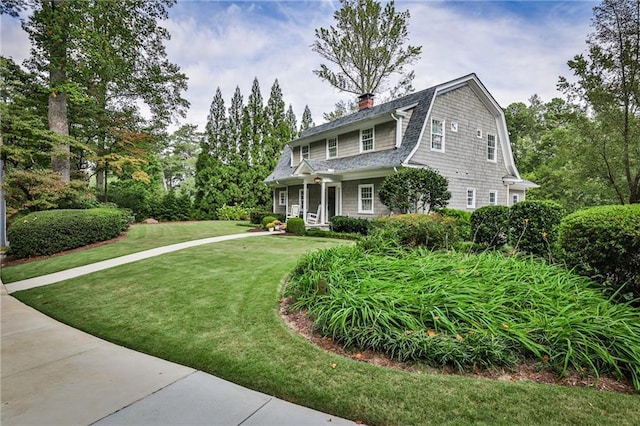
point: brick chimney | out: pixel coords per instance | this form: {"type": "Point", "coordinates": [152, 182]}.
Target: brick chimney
{"type": "Point", "coordinates": [365, 101]}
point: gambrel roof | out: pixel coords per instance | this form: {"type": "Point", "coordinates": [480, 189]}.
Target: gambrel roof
{"type": "Point", "coordinates": [398, 156]}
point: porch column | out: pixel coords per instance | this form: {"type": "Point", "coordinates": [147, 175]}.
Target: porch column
{"type": "Point", "coordinates": [322, 201]}
{"type": "Point", "coordinates": [304, 202]}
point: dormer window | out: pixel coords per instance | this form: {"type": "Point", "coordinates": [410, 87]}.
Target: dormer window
{"type": "Point", "coordinates": [366, 140]}
{"type": "Point", "coordinates": [304, 152]}
{"type": "Point", "coordinates": [332, 147]}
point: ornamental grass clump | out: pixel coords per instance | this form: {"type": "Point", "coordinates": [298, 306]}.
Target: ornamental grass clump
{"type": "Point", "coordinates": [467, 310]}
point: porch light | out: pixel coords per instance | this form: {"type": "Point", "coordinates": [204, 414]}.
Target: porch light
{"type": "Point", "coordinates": [317, 180]}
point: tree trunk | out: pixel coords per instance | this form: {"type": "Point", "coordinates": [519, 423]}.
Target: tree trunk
{"type": "Point", "coordinates": [60, 159]}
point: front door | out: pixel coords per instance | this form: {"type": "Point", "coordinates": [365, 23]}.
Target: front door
{"type": "Point", "coordinates": [331, 202]}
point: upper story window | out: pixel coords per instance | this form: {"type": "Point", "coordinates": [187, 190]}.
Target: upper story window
{"type": "Point", "coordinates": [491, 147]}
{"type": "Point", "coordinates": [304, 152]}
{"type": "Point", "coordinates": [437, 135]}
{"type": "Point", "coordinates": [365, 198]}
{"type": "Point", "coordinates": [366, 140]}
{"type": "Point", "coordinates": [493, 198]}
{"type": "Point", "coordinates": [332, 147]}
{"type": "Point", "coordinates": [471, 198]}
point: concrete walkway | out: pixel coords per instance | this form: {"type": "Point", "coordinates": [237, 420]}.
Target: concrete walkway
{"type": "Point", "coordinates": [53, 374]}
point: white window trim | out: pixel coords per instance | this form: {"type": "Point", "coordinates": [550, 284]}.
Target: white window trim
{"type": "Point", "coordinates": [282, 198]}
{"type": "Point", "coordinates": [495, 198]}
{"type": "Point", "coordinates": [360, 187]}
{"type": "Point", "coordinates": [443, 135]}
{"type": "Point", "coordinates": [328, 156]}
{"type": "Point", "coordinates": [466, 196]}
{"type": "Point", "coordinates": [308, 152]}
{"type": "Point", "coordinates": [495, 148]}
{"type": "Point", "coordinates": [373, 140]}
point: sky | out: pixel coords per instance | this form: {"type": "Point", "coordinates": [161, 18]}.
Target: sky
{"type": "Point", "coordinates": [516, 48]}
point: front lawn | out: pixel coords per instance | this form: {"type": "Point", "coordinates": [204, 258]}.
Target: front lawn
{"type": "Point", "coordinates": [215, 308]}
{"type": "Point", "coordinates": [139, 237]}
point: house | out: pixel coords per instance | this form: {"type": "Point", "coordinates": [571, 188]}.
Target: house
{"type": "Point", "coordinates": [456, 128]}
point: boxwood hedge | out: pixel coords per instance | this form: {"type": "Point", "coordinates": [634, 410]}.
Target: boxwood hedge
{"type": "Point", "coordinates": [52, 231]}
{"type": "Point", "coordinates": [604, 243]}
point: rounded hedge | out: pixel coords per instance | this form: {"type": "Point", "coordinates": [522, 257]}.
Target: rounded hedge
{"type": "Point", "coordinates": [427, 230]}
{"type": "Point", "coordinates": [534, 226]}
{"type": "Point", "coordinates": [604, 243]}
{"type": "Point", "coordinates": [295, 225]}
{"type": "Point", "coordinates": [52, 231]}
{"type": "Point", "coordinates": [490, 226]}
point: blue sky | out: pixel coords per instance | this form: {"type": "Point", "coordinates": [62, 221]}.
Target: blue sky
{"type": "Point", "coordinates": [516, 48]}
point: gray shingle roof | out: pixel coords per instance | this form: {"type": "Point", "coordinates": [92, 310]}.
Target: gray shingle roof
{"type": "Point", "coordinates": [385, 158]}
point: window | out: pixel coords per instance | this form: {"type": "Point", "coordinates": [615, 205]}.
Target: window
{"type": "Point", "coordinates": [471, 198]}
{"type": "Point", "coordinates": [332, 147]}
{"type": "Point", "coordinates": [301, 198]}
{"type": "Point", "coordinates": [515, 198]}
{"type": "Point", "coordinates": [366, 140]}
{"type": "Point", "coordinates": [365, 198]}
{"type": "Point", "coordinates": [491, 148]}
{"type": "Point", "coordinates": [437, 135]}
{"type": "Point", "coordinates": [304, 152]}
{"type": "Point", "coordinates": [479, 133]}
{"type": "Point", "coordinates": [282, 198]}
{"type": "Point", "coordinates": [493, 198]}
{"type": "Point", "coordinates": [454, 126]}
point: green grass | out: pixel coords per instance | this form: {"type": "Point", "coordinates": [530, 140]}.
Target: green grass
{"type": "Point", "coordinates": [468, 310]}
{"type": "Point", "coordinates": [215, 308]}
{"type": "Point", "coordinates": [140, 237]}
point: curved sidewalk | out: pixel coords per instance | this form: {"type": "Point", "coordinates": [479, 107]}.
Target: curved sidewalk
{"type": "Point", "coordinates": [53, 374]}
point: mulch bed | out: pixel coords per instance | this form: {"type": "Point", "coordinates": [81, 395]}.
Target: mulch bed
{"type": "Point", "coordinates": [531, 371]}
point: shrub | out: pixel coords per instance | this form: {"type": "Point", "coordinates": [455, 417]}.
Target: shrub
{"type": "Point", "coordinates": [52, 231]}
{"type": "Point", "coordinates": [256, 215]}
{"type": "Point", "coordinates": [232, 213]}
{"type": "Point", "coordinates": [139, 197]}
{"type": "Point", "coordinates": [534, 226]}
{"type": "Point", "coordinates": [604, 243]}
{"type": "Point", "coordinates": [350, 225]}
{"type": "Point", "coordinates": [295, 225]}
{"type": "Point", "coordinates": [490, 225]}
{"type": "Point", "coordinates": [172, 207]}
{"type": "Point", "coordinates": [463, 216]}
{"type": "Point", "coordinates": [414, 189]}
{"type": "Point", "coordinates": [267, 220]}
{"type": "Point", "coordinates": [315, 232]}
{"type": "Point", "coordinates": [428, 230]}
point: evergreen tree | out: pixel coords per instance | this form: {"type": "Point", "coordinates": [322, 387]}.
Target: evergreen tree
{"type": "Point", "coordinates": [292, 122]}
{"type": "Point", "coordinates": [307, 121]}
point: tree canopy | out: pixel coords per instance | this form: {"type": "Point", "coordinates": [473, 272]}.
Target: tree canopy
{"type": "Point", "coordinates": [366, 47]}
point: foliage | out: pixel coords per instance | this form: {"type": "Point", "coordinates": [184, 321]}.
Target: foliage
{"type": "Point", "coordinates": [172, 207]}
{"type": "Point", "coordinates": [316, 232]}
{"type": "Point", "coordinates": [414, 190]}
{"type": "Point", "coordinates": [604, 243]}
{"type": "Point", "coordinates": [232, 213]}
{"type": "Point", "coordinates": [256, 215]}
{"type": "Point", "coordinates": [490, 225]}
{"type": "Point", "coordinates": [463, 216]}
{"type": "Point", "coordinates": [534, 226]}
{"type": "Point", "coordinates": [350, 225]}
{"type": "Point", "coordinates": [295, 225]}
{"type": "Point", "coordinates": [39, 189]}
{"type": "Point", "coordinates": [49, 232]}
{"type": "Point", "coordinates": [466, 311]}
{"type": "Point", "coordinates": [608, 83]}
{"type": "Point", "coordinates": [421, 230]}
{"type": "Point", "coordinates": [266, 220]}
{"type": "Point", "coordinates": [367, 45]}
{"type": "Point", "coordinates": [141, 198]}
{"type": "Point", "coordinates": [178, 157]}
